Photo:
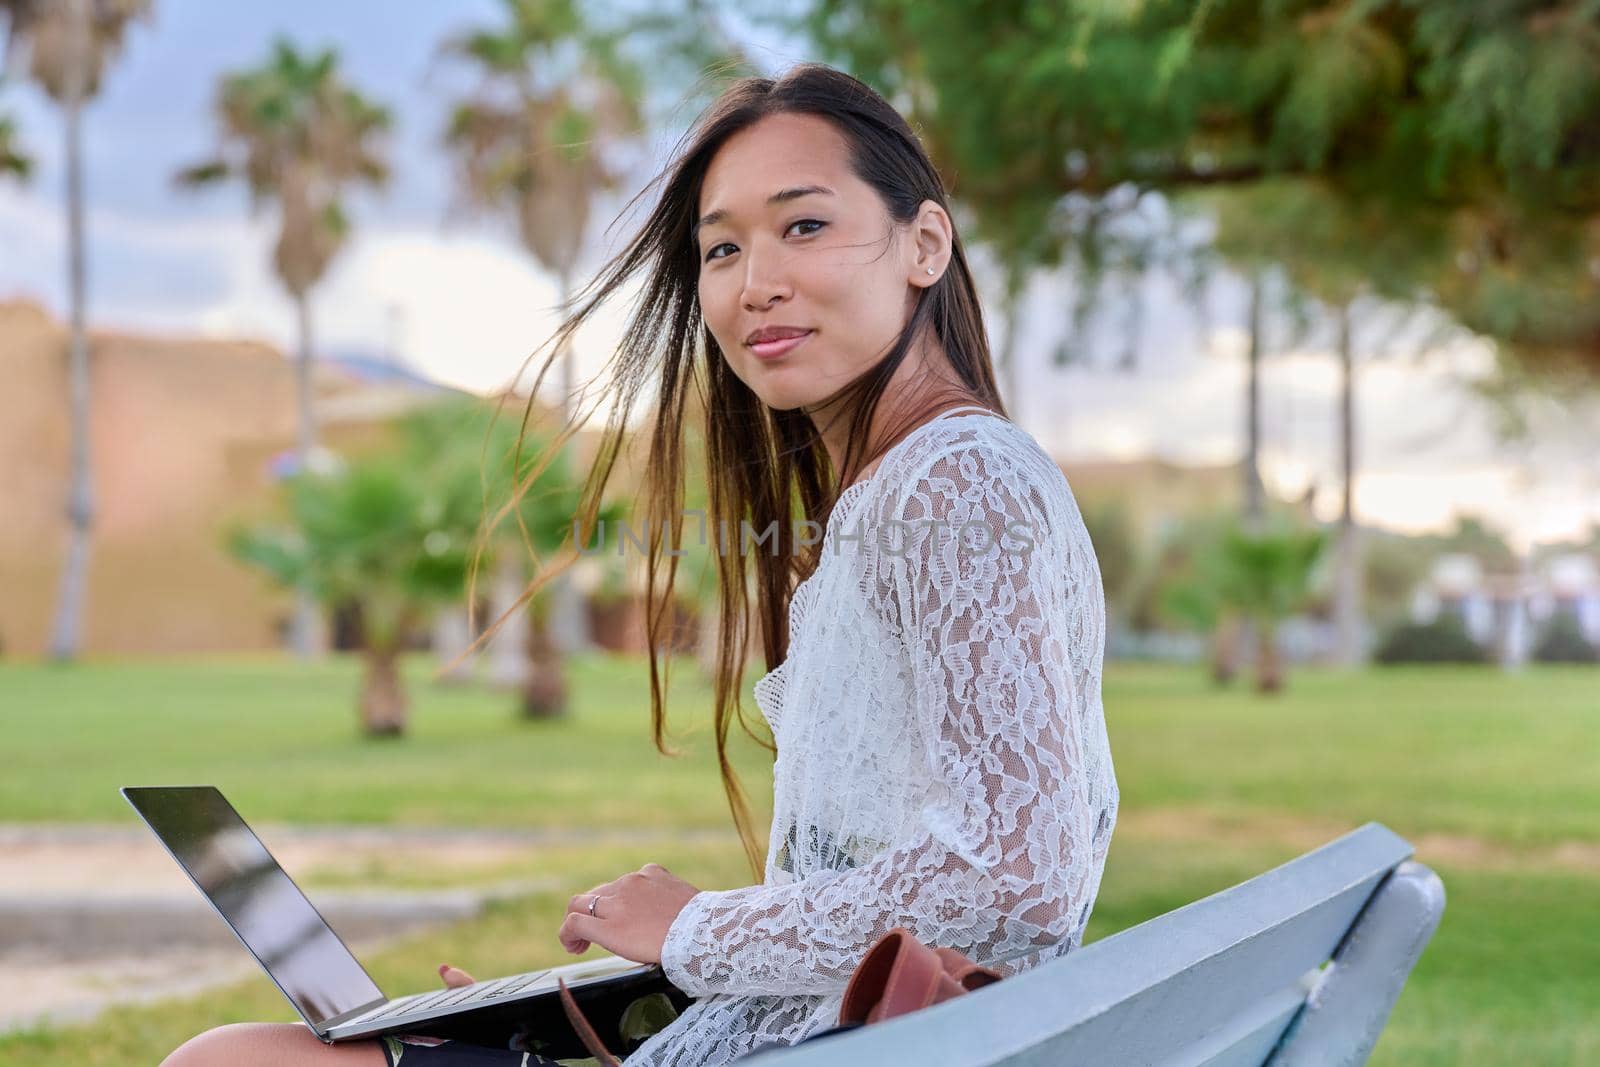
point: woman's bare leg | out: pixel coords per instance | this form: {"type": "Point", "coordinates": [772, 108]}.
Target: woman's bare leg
{"type": "Point", "coordinates": [271, 1045]}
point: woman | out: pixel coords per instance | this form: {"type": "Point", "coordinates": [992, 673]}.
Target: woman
{"type": "Point", "coordinates": [934, 681]}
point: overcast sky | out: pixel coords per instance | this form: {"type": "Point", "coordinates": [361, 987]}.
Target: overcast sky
{"type": "Point", "coordinates": [456, 299]}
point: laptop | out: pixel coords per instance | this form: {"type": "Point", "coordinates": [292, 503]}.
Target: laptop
{"type": "Point", "coordinates": [309, 963]}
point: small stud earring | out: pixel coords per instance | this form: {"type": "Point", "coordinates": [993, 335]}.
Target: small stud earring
{"type": "Point", "coordinates": [930, 270]}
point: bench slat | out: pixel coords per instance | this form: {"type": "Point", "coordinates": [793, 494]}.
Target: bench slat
{"type": "Point", "coordinates": [1248, 1038]}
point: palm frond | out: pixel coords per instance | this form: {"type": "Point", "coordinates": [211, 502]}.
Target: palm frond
{"type": "Point", "coordinates": [207, 173]}
{"type": "Point", "coordinates": [49, 36]}
{"type": "Point", "coordinates": [13, 160]}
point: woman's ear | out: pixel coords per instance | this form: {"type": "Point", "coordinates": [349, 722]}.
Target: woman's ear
{"type": "Point", "coordinates": [932, 238]}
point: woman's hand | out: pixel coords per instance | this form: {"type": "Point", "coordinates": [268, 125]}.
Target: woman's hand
{"type": "Point", "coordinates": [630, 915]}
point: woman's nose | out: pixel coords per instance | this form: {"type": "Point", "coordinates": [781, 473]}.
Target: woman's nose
{"type": "Point", "coordinates": [753, 303]}
{"type": "Point", "coordinates": [763, 283]}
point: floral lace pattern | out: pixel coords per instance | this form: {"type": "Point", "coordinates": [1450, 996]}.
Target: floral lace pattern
{"type": "Point", "coordinates": [942, 755]}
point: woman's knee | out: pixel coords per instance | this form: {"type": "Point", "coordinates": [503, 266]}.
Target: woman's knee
{"type": "Point", "coordinates": [269, 1045]}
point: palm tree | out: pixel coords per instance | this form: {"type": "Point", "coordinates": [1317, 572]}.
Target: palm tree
{"type": "Point", "coordinates": [554, 98]}
{"type": "Point", "coordinates": [298, 136]}
{"type": "Point", "coordinates": [1265, 575]}
{"type": "Point", "coordinates": [1219, 570]}
{"type": "Point", "coordinates": [1345, 260]}
{"type": "Point", "coordinates": [536, 488]}
{"type": "Point", "coordinates": [390, 534]}
{"type": "Point", "coordinates": [360, 536]}
{"type": "Point", "coordinates": [69, 45]}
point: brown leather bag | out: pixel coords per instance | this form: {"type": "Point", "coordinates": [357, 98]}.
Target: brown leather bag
{"type": "Point", "coordinates": [900, 974]}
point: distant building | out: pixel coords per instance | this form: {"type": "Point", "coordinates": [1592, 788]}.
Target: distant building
{"type": "Point", "coordinates": [1571, 587]}
{"type": "Point", "coordinates": [1505, 612]}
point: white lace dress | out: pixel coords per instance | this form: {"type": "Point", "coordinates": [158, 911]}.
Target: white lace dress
{"type": "Point", "coordinates": [942, 757]}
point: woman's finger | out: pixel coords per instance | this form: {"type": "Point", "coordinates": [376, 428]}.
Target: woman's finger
{"type": "Point", "coordinates": [578, 931]}
{"type": "Point", "coordinates": [580, 901]}
{"type": "Point", "coordinates": [454, 977]}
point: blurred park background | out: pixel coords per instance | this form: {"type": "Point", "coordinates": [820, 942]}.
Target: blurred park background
{"type": "Point", "coordinates": [1303, 296]}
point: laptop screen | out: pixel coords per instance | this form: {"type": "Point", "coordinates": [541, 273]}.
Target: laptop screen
{"type": "Point", "coordinates": [269, 913]}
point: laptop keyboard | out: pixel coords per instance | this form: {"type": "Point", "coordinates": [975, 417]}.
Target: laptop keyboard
{"type": "Point", "coordinates": [449, 998]}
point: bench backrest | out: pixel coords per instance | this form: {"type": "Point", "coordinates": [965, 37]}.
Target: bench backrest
{"type": "Point", "coordinates": [1235, 979]}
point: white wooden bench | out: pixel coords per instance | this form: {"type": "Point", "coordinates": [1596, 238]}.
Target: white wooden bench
{"type": "Point", "coordinates": [1296, 967]}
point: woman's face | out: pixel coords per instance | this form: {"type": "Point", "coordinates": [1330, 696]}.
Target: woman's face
{"type": "Point", "coordinates": [832, 264]}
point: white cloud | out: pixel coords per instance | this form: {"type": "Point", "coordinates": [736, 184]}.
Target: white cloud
{"type": "Point", "coordinates": [470, 309]}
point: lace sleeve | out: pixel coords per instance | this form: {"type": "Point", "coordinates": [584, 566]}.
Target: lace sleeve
{"type": "Point", "coordinates": [1006, 862]}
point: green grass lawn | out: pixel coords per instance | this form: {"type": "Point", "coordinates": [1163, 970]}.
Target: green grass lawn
{"type": "Point", "coordinates": [1496, 777]}
{"type": "Point", "coordinates": [281, 742]}
{"type": "Point", "coordinates": [1514, 758]}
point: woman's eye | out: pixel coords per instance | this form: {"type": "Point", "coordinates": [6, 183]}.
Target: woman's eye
{"type": "Point", "coordinates": [712, 252]}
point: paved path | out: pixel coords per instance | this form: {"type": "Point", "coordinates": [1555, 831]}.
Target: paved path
{"type": "Point", "coordinates": [95, 915]}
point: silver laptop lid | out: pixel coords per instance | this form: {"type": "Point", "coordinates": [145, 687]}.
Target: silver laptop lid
{"type": "Point", "coordinates": [274, 920]}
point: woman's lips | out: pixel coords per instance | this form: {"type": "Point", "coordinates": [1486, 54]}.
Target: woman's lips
{"type": "Point", "coordinates": [774, 349]}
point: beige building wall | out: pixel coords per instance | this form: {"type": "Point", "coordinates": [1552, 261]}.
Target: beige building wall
{"type": "Point", "coordinates": [179, 428]}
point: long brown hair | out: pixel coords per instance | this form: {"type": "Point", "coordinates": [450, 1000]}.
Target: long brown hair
{"type": "Point", "coordinates": [765, 466]}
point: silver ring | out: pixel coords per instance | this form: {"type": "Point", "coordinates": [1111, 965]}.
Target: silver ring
{"type": "Point", "coordinates": [592, 902]}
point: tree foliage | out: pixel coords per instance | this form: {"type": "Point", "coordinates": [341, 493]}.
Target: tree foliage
{"type": "Point", "coordinates": [1472, 126]}
{"type": "Point", "coordinates": [1444, 640]}
{"type": "Point", "coordinates": [398, 532]}
{"type": "Point", "coordinates": [1223, 572]}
